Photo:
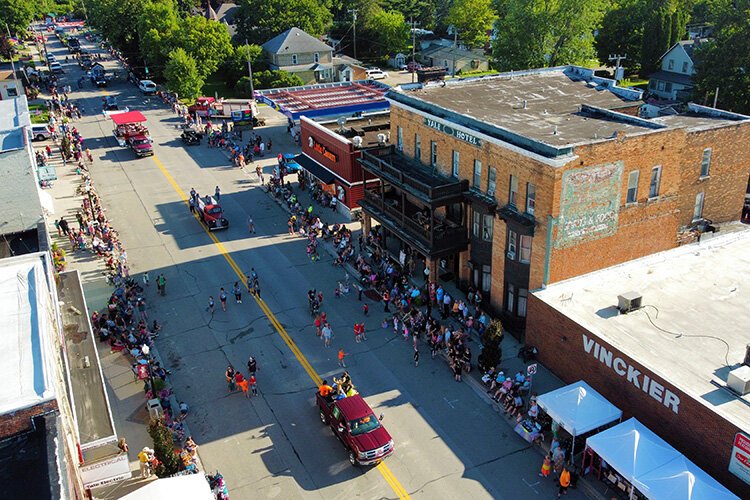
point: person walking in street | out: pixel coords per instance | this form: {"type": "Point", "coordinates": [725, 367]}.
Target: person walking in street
{"type": "Point", "coordinates": [252, 366]}
{"type": "Point", "coordinates": [564, 482]}
{"type": "Point", "coordinates": [365, 309]}
{"type": "Point", "coordinates": [253, 385]}
{"type": "Point", "coordinates": [191, 204]}
{"type": "Point", "coordinates": [416, 356]}
{"type": "Point", "coordinates": [341, 357]}
{"type": "Point", "coordinates": [546, 466]}
{"type": "Point", "coordinates": [211, 305]}
{"type": "Point", "coordinates": [64, 226]}
{"type": "Point", "coordinates": [327, 333]}
{"type": "Point", "coordinates": [386, 299]}
{"type": "Point", "coordinates": [241, 383]}
{"type": "Point", "coordinates": [146, 279]}
{"type": "Point", "coordinates": [237, 291]}
{"type": "Point", "coordinates": [223, 299]}
{"type": "Point", "coordinates": [161, 283]}
{"type": "Point", "coordinates": [250, 225]}
{"type": "Point", "coordinates": [230, 373]}
{"type": "Point", "coordinates": [217, 194]}
{"type": "Point", "coordinates": [57, 226]}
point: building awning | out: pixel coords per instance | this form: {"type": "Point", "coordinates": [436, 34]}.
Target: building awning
{"type": "Point", "coordinates": [315, 169]}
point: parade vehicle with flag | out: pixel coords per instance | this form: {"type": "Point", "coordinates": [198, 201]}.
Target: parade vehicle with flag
{"type": "Point", "coordinates": [211, 213]}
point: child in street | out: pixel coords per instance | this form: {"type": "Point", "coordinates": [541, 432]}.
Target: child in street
{"type": "Point", "coordinates": [211, 305]}
{"type": "Point", "coordinates": [357, 335]}
{"type": "Point", "coordinates": [223, 299]}
{"type": "Point", "coordinates": [365, 309]}
{"type": "Point", "coordinates": [241, 383]}
{"type": "Point", "coordinates": [237, 292]}
{"type": "Point", "coordinates": [253, 385]}
{"type": "Point", "coordinates": [341, 358]}
{"type": "Point", "coordinates": [546, 466]}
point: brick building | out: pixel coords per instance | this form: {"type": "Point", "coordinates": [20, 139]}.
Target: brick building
{"type": "Point", "coordinates": [525, 179]}
{"type": "Point", "coordinates": [668, 361]}
{"type": "Point", "coordinates": [330, 150]}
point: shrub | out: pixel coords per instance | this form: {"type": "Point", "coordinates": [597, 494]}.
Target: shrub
{"type": "Point", "coordinates": [163, 448]}
{"type": "Point", "coordinates": [492, 352]}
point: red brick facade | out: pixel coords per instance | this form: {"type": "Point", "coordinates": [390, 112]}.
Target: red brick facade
{"type": "Point", "coordinates": [699, 433]}
{"type": "Point", "coordinates": [20, 421]}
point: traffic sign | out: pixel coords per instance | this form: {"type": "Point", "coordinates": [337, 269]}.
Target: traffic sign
{"type": "Point", "coordinates": [531, 369]}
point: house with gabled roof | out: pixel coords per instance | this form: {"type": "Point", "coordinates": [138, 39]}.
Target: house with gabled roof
{"type": "Point", "coordinates": [302, 54]}
{"type": "Point", "coordinates": [674, 80]}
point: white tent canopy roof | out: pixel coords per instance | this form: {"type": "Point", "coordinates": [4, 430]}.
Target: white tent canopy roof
{"type": "Point", "coordinates": [191, 487]}
{"type": "Point", "coordinates": [681, 478]}
{"type": "Point", "coordinates": [652, 465]}
{"type": "Point", "coordinates": [578, 408]}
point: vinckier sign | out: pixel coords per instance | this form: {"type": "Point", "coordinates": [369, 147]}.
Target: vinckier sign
{"type": "Point", "coordinates": [634, 376]}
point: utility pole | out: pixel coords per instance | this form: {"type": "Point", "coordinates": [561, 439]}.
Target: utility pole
{"type": "Point", "coordinates": [618, 68]}
{"type": "Point", "coordinates": [250, 70]}
{"type": "Point", "coordinates": [353, 12]}
{"type": "Point", "coordinates": [13, 65]}
{"type": "Point", "coordinates": [413, 47]}
{"type": "Point", "coordinates": [716, 97]}
{"type": "Point", "coordinates": [455, 48]}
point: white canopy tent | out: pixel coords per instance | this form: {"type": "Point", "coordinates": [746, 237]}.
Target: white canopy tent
{"type": "Point", "coordinates": [190, 487]}
{"type": "Point", "coordinates": [578, 408]}
{"type": "Point", "coordinates": [651, 465]}
{"type": "Point", "coordinates": [681, 478]}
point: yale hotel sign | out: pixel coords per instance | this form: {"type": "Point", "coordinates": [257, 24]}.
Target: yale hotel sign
{"type": "Point", "coordinates": [458, 134]}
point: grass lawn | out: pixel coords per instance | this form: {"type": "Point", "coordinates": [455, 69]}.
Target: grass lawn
{"type": "Point", "coordinates": [633, 82]}
{"type": "Point", "coordinates": [39, 113]}
{"type": "Point", "coordinates": [215, 86]}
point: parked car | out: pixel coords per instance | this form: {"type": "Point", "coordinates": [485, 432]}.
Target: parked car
{"type": "Point", "coordinates": [376, 74]}
{"type": "Point", "coordinates": [109, 103]}
{"type": "Point", "coordinates": [99, 79]}
{"type": "Point", "coordinates": [51, 58]}
{"type": "Point", "coordinates": [413, 66]}
{"type": "Point", "coordinates": [40, 132]}
{"type": "Point", "coordinates": [147, 87]}
{"type": "Point", "coordinates": [56, 67]}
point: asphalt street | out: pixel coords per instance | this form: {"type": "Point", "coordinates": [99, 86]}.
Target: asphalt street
{"type": "Point", "coordinates": [449, 444]}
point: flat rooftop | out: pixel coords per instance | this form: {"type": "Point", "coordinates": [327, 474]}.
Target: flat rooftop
{"type": "Point", "coordinates": [368, 128]}
{"type": "Point", "coordinates": [26, 352]}
{"type": "Point", "coordinates": [694, 292]}
{"type": "Point", "coordinates": [20, 207]}
{"type": "Point", "coordinates": [547, 110]}
{"type": "Point", "coordinates": [90, 402]}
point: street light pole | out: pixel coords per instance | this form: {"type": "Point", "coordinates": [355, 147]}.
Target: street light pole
{"type": "Point", "coordinates": [250, 70]}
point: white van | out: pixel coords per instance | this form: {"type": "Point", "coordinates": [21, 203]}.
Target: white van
{"type": "Point", "coordinates": [40, 132]}
{"type": "Point", "coordinates": [376, 74]}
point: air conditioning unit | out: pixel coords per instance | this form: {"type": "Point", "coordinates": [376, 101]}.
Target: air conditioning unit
{"type": "Point", "coordinates": [357, 141]}
{"type": "Point", "coordinates": [739, 380]}
{"type": "Point", "coordinates": [629, 301]}
{"type": "Point", "coordinates": [381, 138]}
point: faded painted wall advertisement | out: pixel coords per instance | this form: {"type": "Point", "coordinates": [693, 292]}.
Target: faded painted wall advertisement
{"type": "Point", "coordinates": [589, 204]}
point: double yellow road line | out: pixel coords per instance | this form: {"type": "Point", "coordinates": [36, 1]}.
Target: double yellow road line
{"type": "Point", "coordinates": [382, 467]}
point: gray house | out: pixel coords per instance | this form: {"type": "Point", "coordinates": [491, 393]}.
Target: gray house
{"type": "Point", "coordinates": [674, 80]}
{"type": "Point", "coordinates": [297, 52]}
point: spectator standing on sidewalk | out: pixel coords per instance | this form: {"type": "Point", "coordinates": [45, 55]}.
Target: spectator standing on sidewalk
{"type": "Point", "coordinates": [564, 482]}
{"type": "Point", "coordinates": [217, 194]}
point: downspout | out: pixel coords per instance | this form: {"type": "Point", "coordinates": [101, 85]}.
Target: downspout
{"type": "Point", "coordinates": [551, 221]}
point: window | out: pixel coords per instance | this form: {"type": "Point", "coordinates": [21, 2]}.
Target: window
{"type": "Point", "coordinates": [489, 220]}
{"type": "Point", "coordinates": [706, 162]}
{"type": "Point", "coordinates": [491, 181]}
{"type": "Point", "coordinates": [455, 164]}
{"type": "Point", "coordinates": [400, 138]}
{"type": "Point", "coordinates": [668, 86]}
{"type": "Point", "coordinates": [653, 186]}
{"type": "Point", "coordinates": [477, 173]}
{"type": "Point", "coordinates": [522, 296]}
{"type": "Point", "coordinates": [530, 198]}
{"type": "Point", "coordinates": [475, 221]}
{"type": "Point", "coordinates": [512, 236]}
{"type": "Point", "coordinates": [698, 209]}
{"type": "Point", "coordinates": [513, 194]}
{"type": "Point", "coordinates": [660, 86]}
{"type": "Point", "coordinates": [417, 147]}
{"type": "Point", "coordinates": [486, 278]}
{"type": "Point", "coordinates": [316, 57]}
{"type": "Point", "coordinates": [525, 256]}
{"type": "Point", "coordinates": [652, 84]}
{"type": "Point", "coordinates": [294, 58]}
{"type": "Point", "coordinates": [685, 67]}
{"type": "Point", "coordinates": [11, 91]}
{"type": "Point", "coordinates": [433, 153]}
{"type": "Point", "coordinates": [671, 64]}
{"type": "Point", "coordinates": [632, 196]}
{"type": "Point", "coordinates": [511, 298]}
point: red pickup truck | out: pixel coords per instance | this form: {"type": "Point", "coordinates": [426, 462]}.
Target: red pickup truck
{"type": "Point", "coordinates": [357, 427]}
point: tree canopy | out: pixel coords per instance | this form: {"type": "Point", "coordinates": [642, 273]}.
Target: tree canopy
{"type": "Point", "coordinates": [472, 19]}
{"type": "Point", "coordinates": [260, 20]}
{"type": "Point", "coordinates": [208, 42]}
{"type": "Point", "coordinates": [182, 74]}
{"type": "Point", "coordinates": [388, 32]}
{"type": "Point", "coordinates": [543, 33]}
{"type": "Point", "coordinates": [17, 14]}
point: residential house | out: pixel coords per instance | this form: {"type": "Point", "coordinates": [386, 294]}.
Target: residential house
{"type": "Point", "coordinates": [297, 52]}
{"type": "Point", "coordinates": [674, 81]}
{"type": "Point", "coordinates": [456, 59]}
{"type": "Point", "coordinates": [348, 69]}
{"type": "Point", "coordinates": [398, 61]}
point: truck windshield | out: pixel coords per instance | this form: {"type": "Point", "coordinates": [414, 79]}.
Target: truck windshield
{"type": "Point", "coordinates": [364, 425]}
{"type": "Point", "coordinates": [214, 210]}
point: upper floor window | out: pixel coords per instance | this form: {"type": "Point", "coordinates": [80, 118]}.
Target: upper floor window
{"type": "Point", "coordinates": [316, 57]}
{"type": "Point", "coordinates": [476, 221]}
{"type": "Point", "coordinates": [400, 138]}
{"type": "Point", "coordinates": [653, 186]}
{"type": "Point", "coordinates": [477, 173]}
{"type": "Point", "coordinates": [491, 181]}
{"type": "Point", "coordinates": [294, 58]}
{"type": "Point", "coordinates": [512, 242]}
{"type": "Point", "coordinates": [632, 195]}
{"type": "Point", "coordinates": [525, 255]}
{"type": "Point", "coordinates": [685, 67]}
{"type": "Point", "coordinates": [433, 153]}
{"type": "Point", "coordinates": [455, 164]}
{"type": "Point", "coordinates": [530, 198]}
{"type": "Point", "coordinates": [487, 227]}
{"type": "Point", "coordinates": [698, 208]}
{"type": "Point", "coordinates": [671, 64]}
{"type": "Point", "coordinates": [706, 162]}
{"type": "Point", "coordinates": [513, 191]}
{"type": "Point", "coordinates": [417, 147]}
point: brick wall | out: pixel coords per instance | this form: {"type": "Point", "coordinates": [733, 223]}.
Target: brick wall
{"type": "Point", "coordinates": [697, 432]}
{"type": "Point", "coordinates": [20, 421]}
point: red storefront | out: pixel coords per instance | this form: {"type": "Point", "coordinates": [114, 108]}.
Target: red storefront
{"type": "Point", "coordinates": [330, 150]}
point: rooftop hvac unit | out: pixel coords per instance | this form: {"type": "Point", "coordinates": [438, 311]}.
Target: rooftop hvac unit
{"type": "Point", "coordinates": [357, 141]}
{"type": "Point", "coordinates": [381, 138]}
{"type": "Point", "coordinates": [629, 301]}
{"type": "Point", "coordinates": [739, 380]}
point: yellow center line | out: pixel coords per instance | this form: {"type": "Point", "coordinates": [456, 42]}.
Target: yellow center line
{"type": "Point", "coordinates": [382, 467]}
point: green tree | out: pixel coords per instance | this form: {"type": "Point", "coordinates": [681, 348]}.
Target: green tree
{"type": "Point", "coordinates": [492, 352]}
{"type": "Point", "coordinates": [260, 20]}
{"type": "Point", "coordinates": [472, 19]}
{"type": "Point", "coordinates": [208, 42]}
{"type": "Point", "coordinates": [157, 26]}
{"type": "Point", "coordinates": [622, 33]}
{"type": "Point", "coordinates": [235, 67]}
{"type": "Point", "coordinates": [17, 14]}
{"type": "Point", "coordinates": [390, 30]}
{"type": "Point", "coordinates": [182, 74]}
{"type": "Point", "coordinates": [163, 448]}
{"type": "Point", "coordinates": [724, 62]}
{"type": "Point", "coordinates": [663, 26]}
{"type": "Point", "coordinates": [118, 19]}
{"type": "Point", "coordinates": [270, 80]}
{"type": "Point", "coordinates": [539, 33]}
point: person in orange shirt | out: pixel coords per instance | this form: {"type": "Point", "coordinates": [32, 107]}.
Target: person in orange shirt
{"type": "Point", "coordinates": [341, 358]}
{"type": "Point", "coordinates": [241, 383]}
{"type": "Point", "coordinates": [564, 482]}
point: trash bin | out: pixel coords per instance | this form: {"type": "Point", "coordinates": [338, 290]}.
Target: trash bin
{"type": "Point", "coordinates": [154, 408]}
